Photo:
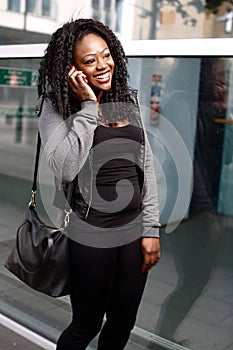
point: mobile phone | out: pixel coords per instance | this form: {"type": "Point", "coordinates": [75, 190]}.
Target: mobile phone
{"type": "Point", "coordinates": [84, 78]}
{"type": "Point", "coordinates": [71, 66]}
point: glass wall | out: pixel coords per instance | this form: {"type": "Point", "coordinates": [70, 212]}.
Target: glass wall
{"type": "Point", "coordinates": [186, 104]}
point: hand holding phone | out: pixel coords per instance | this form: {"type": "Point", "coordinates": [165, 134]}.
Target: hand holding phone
{"type": "Point", "coordinates": [75, 70]}
{"type": "Point", "coordinates": [79, 90]}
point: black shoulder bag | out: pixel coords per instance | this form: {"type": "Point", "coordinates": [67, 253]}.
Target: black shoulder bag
{"type": "Point", "coordinates": [40, 256]}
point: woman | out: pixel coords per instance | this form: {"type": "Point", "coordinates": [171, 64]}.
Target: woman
{"type": "Point", "coordinates": [93, 137]}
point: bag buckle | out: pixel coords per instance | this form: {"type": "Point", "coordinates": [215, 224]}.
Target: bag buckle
{"type": "Point", "coordinates": [67, 217]}
{"type": "Point", "coordinates": [32, 202]}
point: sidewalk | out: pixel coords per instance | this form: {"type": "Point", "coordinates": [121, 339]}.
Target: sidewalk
{"type": "Point", "coordinates": [13, 341]}
{"type": "Point", "coordinates": [18, 339]}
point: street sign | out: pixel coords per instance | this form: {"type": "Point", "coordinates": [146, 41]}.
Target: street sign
{"type": "Point", "coordinates": [18, 77]}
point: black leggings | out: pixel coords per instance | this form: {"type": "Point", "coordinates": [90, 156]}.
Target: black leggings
{"type": "Point", "coordinates": [104, 281]}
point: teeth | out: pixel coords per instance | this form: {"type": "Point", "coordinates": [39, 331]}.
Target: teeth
{"type": "Point", "coordinates": [104, 76]}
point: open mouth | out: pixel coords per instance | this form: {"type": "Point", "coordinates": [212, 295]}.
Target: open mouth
{"type": "Point", "coordinates": [103, 78]}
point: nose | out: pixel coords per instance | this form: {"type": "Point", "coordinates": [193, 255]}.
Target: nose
{"type": "Point", "coordinates": [101, 64]}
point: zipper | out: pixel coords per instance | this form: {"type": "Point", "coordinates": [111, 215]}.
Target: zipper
{"type": "Point", "coordinates": [60, 185]}
{"type": "Point", "coordinates": [144, 140]}
{"type": "Point", "coordinates": [90, 157]}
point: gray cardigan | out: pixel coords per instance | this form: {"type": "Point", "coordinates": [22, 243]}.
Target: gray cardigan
{"type": "Point", "coordinates": [67, 145]}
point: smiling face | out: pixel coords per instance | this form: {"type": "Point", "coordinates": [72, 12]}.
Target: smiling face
{"type": "Point", "coordinates": [93, 57]}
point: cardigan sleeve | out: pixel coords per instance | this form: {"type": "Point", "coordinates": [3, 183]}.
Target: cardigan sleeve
{"type": "Point", "coordinates": [67, 143]}
{"type": "Point", "coordinates": [150, 202]}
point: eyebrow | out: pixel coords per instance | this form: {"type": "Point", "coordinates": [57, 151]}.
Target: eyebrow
{"type": "Point", "coordinates": [93, 54]}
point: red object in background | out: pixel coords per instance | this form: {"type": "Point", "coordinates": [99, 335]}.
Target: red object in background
{"type": "Point", "coordinates": [14, 79]}
{"type": "Point", "coordinates": [155, 98]}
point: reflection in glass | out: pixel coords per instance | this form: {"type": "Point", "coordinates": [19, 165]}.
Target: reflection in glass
{"type": "Point", "coordinates": [194, 96]}
{"type": "Point", "coordinates": [46, 7]}
{"type": "Point", "coordinates": [31, 6]}
{"type": "Point", "coordinates": [195, 243]}
{"type": "Point", "coordinates": [14, 5]}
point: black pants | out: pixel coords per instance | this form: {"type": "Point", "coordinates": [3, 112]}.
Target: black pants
{"type": "Point", "coordinates": [104, 281]}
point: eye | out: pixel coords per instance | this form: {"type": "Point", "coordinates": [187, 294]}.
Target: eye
{"type": "Point", "coordinates": [90, 61]}
{"type": "Point", "coordinates": [107, 55]}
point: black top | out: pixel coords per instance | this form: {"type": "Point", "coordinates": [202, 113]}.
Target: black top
{"type": "Point", "coordinates": [116, 194]}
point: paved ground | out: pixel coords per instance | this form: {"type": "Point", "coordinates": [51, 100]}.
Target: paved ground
{"type": "Point", "coordinates": [12, 341]}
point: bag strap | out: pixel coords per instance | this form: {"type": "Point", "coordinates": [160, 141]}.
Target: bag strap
{"type": "Point", "coordinates": [32, 202]}
{"type": "Point", "coordinates": [36, 166]}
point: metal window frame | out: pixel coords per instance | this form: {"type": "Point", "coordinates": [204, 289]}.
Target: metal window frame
{"type": "Point", "coordinates": [222, 47]}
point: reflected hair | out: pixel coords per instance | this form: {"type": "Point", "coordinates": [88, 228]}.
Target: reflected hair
{"type": "Point", "coordinates": [54, 67]}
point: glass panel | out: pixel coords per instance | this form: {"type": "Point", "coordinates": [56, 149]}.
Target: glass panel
{"type": "Point", "coordinates": [14, 5]}
{"type": "Point", "coordinates": [188, 294]}
{"type": "Point", "coordinates": [225, 205]}
{"type": "Point", "coordinates": [31, 6]}
{"type": "Point", "coordinates": [118, 15]}
{"type": "Point", "coordinates": [168, 94]}
{"type": "Point", "coordinates": [186, 104]}
{"type": "Point", "coordinates": [46, 8]}
{"type": "Point", "coordinates": [96, 4]}
{"type": "Point", "coordinates": [108, 18]}
{"type": "Point", "coordinates": [18, 130]}
{"type": "Point", "coordinates": [107, 4]}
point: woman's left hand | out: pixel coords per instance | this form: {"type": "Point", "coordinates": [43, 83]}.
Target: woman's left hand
{"type": "Point", "coordinates": [151, 252]}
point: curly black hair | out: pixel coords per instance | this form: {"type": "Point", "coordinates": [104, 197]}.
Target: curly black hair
{"type": "Point", "coordinates": [54, 67]}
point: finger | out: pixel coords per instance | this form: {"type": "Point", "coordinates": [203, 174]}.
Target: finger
{"type": "Point", "coordinates": [74, 76]}
{"type": "Point", "coordinates": [146, 259]}
{"type": "Point", "coordinates": [74, 82]}
{"type": "Point", "coordinates": [73, 87]}
{"type": "Point", "coordinates": [146, 262]}
{"type": "Point", "coordinates": [72, 70]}
{"type": "Point", "coordinates": [150, 260]}
{"type": "Point", "coordinates": [158, 253]}
{"type": "Point", "coordinates": [146, 267]}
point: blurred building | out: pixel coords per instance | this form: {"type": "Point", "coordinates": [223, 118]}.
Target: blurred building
{"type": "Point", "coordinates": [33, 21]}
{"type": "Point", "coordinates": [164, 19]}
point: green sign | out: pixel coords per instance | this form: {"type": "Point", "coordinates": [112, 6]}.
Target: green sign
{"type": "Point", "coordinates": [18, 77]}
